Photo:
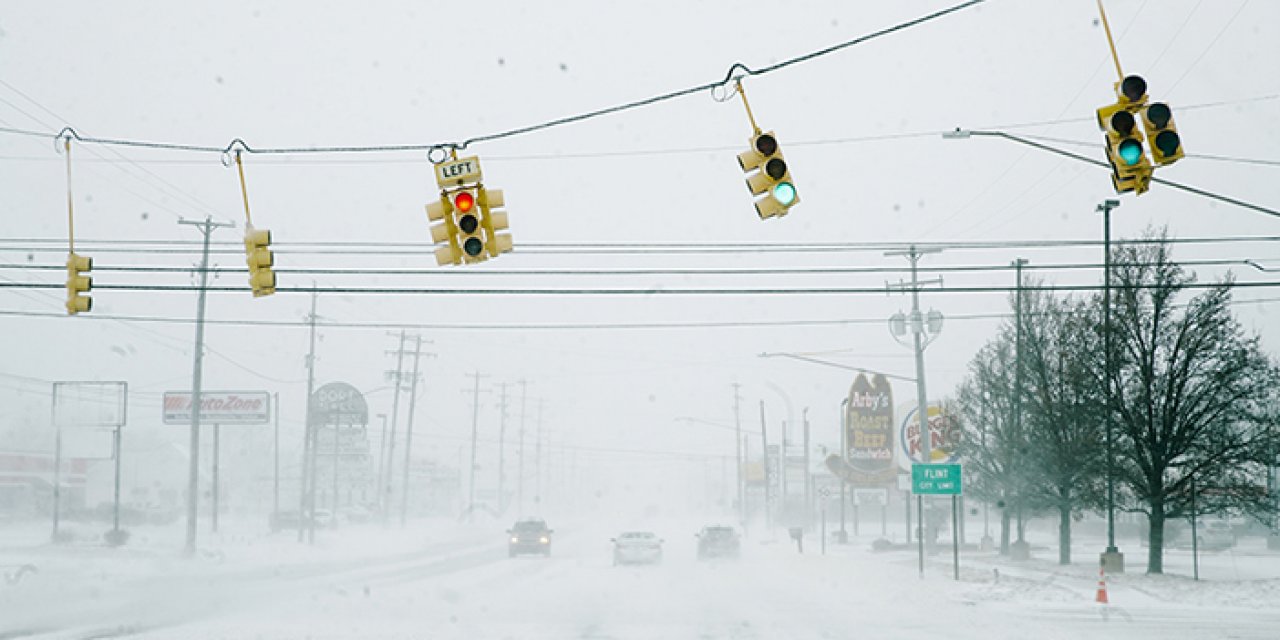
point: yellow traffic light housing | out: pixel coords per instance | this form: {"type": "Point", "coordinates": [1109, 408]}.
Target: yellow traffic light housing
{"type": "Point", "coordinates": [469, 216]}
{"type": "Point", "coordinates": [494, 220]}
{"type": "Point", "coordinates": [1130, 169]}
{"type": "Point", "coordinates": [1162, 134]}
{"type": "Point", "coordinates": [768, 176]}
{"type": "Point", "coordinates": [258, 255]}
{"type": "Point", "coordinates": [445, 232]}
{"type": "Point", "coordinates": [79, 284]}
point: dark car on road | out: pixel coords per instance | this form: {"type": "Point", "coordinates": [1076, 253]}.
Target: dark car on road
{"type": "Point", "coordinates": [529, 536]}
{"type": "Point", "coordinates": [718, 542]}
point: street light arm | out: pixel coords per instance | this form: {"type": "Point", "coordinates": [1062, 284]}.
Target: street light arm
{"type": "Point", "coordinates": [836, 365]}
{"type": "Point", "coordinates": [965, 133]}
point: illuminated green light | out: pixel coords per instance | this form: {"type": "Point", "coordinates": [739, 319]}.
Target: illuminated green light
{"type": "Point", "coordinates": [1130, 152]}
{"type": "Point", "coordinates": [784, 193]}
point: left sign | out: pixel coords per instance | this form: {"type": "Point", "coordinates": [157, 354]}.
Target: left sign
{"type": "Point", "coordinates": [219, 407]}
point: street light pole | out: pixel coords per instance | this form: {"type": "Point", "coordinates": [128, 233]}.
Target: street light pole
{"type": "Point", "coordinates": [1112, 559]}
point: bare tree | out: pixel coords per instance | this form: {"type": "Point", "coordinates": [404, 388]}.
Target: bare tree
{"type": "Point", "coordinates": [1063, 410]}
{"type": "Point", "coordinates": [1188, 396]}
{"type": "Point", "coordinates": [992, 445]}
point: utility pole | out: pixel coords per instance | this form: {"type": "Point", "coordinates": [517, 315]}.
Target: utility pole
{"type": "Point", "coordinates": [1112, 559]}
{"type": "Point", "coordinates": [808, 481]}
{"type": "Point", "coordinates": [768, 481]}
{"type": "Point", "coordinates": [308, 435]}
{"type": "Point", "coordinates": [920, 327]}
{"type": "Point", "coordinates": [475, 429]}
{"type": "Point", "coordinates": [408, 433]}
{"type": "Point", "coordinates": [502, 451]}
{"type": "Point", "coordinates": [737, 440]}
{"type": "Point", "coordinates": [396, 377]}
{"type": "Point", "coordinates": [197, 379]}
{"type": "Point", "coordinates": [520, 455]}
{"type": "Point", "coordinates": [1017, 380]}
{"type": "Point", "coordinates": [537, 459]}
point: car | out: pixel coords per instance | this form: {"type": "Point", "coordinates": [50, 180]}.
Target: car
{"type": "Point", "coordinates": [637, 547]}
{"type": "Point", "coordinates": [717, 541]}
{"type": "Point", "coordinates": [529, 536]}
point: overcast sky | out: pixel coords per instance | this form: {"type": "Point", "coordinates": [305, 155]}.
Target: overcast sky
{"type": "Point", "coordinates": [328, 73]}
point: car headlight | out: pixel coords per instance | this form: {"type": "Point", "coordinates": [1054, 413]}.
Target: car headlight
{"type": "Point", "coordinates": [515, 539]}
{"type": "Point", "coordinates": [544, 540]}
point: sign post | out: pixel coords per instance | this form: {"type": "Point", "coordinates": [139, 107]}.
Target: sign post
{"type": "Point", "coordinates": [90, 405]}
{"type": "Point", "coordinates": [940, 480]}
{"type": "Point", "coordinates": [219, 408]}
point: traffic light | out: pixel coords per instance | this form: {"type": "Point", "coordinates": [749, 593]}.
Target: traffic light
{"type": "Point", "coordinates": [768, 176]}
{"type": "Point", "coordinates": [494, 220]}
{"type": "Point", "coordinates": [445, 232]}
{"type": "Point", "coordinates": [257, 247]}
{"type": "Point", "coordinates": [1130, 169]}
{"type": "Point", "coordinates": [1166, 145]}
{"type": "Point", "coordinates": [467, 216]}
{"type": "Point", "coordinates": [78, 283]}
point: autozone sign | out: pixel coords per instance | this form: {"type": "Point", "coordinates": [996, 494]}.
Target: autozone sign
{"type": "Point", "coordinates": [219, 407]}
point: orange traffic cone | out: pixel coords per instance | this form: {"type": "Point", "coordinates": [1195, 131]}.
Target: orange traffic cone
{"type": "Point", "coordinates": [1101, 598]}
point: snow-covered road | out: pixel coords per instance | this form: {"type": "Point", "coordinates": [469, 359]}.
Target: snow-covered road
{"type": "Point", "coordinates": [463, 585]}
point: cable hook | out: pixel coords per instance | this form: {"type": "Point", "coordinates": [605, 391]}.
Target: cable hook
{"type": "Point", "coordinates": [443, 149]}
{"type": "Point", "coordinates": [66, 134]}
{"type": "Point", "coordinates": [236, 146]}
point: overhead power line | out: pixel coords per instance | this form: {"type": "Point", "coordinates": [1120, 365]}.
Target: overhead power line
{"type": "Point", "coordinates": [546, 326]}
{"type": "Point", "coordinates": [736, 71]}
{"type": "Point", "coordinates": [363, 248]}
{"type": "Point", "coordinates": [706, 271]}
{"type": "Point", "coordinates": [653, 291]}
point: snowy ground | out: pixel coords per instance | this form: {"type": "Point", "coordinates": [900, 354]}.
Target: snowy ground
{"type": "Point", "coordinates": [444, 580]}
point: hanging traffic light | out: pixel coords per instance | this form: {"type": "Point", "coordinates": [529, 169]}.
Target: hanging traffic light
{"type": "Point", "coordinates": [78, 283]}
{"type": "Point", "coordinates": [1130, 169]}
{"type": "Point", "coordinates": [1166, 145]}
{"type": "Point", "coordinates": [469, 215]}
{"type": "Point", "coordinates": [768, 176]}
{"type": "Point", "coordinates": [258, 255]}
{"type": "Point", "coordinates": [494, 220]}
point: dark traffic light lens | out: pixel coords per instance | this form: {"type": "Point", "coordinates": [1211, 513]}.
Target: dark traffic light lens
{"type": "Point", "coordinates": [766, 145]}
{"type": "Point", "coordinates": [1130, 152]}
{"type": "Point", "coordinates": [1133, 88]}
{"type": "Point", "coordinates": [468, 223]}
{"type": "Point", "coordinates": [776, 168]}
{"type": "Point", "coordinates": [1159, 115]}
{"type": "Point", "coordinates": [1122, 123]}
{"type": "Point", "coordinates": [473, 247]}
{"type": "Point", "coordinates": [1167, 142]}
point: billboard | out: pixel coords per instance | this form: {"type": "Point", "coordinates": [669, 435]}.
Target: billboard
{"type": "Point", "coordinates": [868, 435]}
{"type": "Point", "coordinates": [90, 404]}
{"type": "Point", "coordinates": [219, 407]}
{"type": "Point", "coordinates": [944, 435]}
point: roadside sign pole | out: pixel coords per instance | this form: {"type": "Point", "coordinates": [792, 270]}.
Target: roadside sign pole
{"type": "Point", "coordinates": [57, 478]}
{"type": "Point", "coordinates": [115, 518]}
{"type": "Point", "coordinates": [824, 527]}
{"type": "Point", "coordinates": [920, 533]}
{"type": "Point", "coordinates": [213, 518]}
{"type": "Point", "coordinates": [955, 536]}
{"type": "Point", "coordinates": [275, 487]}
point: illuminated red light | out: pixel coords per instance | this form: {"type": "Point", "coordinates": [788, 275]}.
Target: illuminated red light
{"type": "Point", "coordinates": [464, 202]}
